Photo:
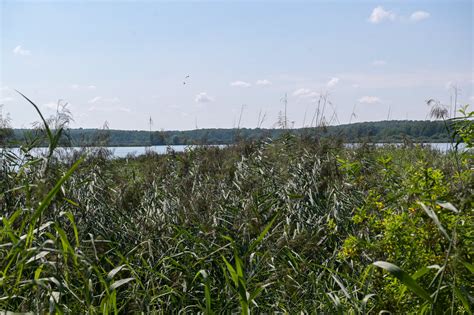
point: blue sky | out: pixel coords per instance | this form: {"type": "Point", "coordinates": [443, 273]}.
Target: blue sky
{"type": "Point", "coordinates": [122, 62]}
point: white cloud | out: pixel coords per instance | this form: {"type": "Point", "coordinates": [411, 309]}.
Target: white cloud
{"type": "Point", "coordinates": [419, 16]}
{"type": "Point", "coordinates": [305, 93]}
{"type": "Point", "coordinates": [240, 84]}
{"type": "Point", "coordinates": [110, 100]}
{"type": "Point", "coordinates": [379, 14]}
{"type": "Point", "coordinates": [379, 63]}
{"type": "Point", "coordinates": [50, 105]}
{"type": "Point", "coordinates": [472, 98]}
{"type": "Point", "coordinates": [263, 82]}
{"type": "Point", "coordinates": [369, 100]}
{"type": "Point", "coordinates": [312, 95]}
{"type": "Point", "coordinates": [111, 104]}
{"type": "Point", "coordinates": [95, 100]}
{"type": "Point", "coordinates": [301, 92]}
{"type": "Point", "coordinates": [355, 85]}
{"type": "Point", "coordinates": [203, 97]}
{"type": "Point", "coordinates": [332, 82]}
{"type": "Point", "coordinates": [18, 50]}
{"type": "Point", "coordinates": [83, 87]}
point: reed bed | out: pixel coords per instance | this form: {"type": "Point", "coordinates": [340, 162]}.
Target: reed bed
{"type": "Point", "coordinates": [294, 225]}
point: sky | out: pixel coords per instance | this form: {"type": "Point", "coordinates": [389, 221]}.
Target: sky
{"type": "Point", "coordinates": [212, 64]}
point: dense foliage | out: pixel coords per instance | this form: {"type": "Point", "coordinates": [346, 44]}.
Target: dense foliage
{"type": "Point", "coordinates": [381, 131]}
{"type": "Point", "coordinates": [296, 224]}
{"type": "Point", "coordinates": [289, 225]}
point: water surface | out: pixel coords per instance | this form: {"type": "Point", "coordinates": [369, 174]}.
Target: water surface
{"type": "Point", "coordinates": [121, 152]}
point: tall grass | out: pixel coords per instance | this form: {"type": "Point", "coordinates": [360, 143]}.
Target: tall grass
{"type": "Point", "coordinates": [292, 225]}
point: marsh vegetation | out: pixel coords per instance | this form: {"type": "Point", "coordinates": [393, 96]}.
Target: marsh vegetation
{"type": "Point", "coordinates": [290, 225]}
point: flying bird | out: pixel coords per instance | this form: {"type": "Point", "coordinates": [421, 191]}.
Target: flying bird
{"type": "Point", "coordinates": [186, 77]}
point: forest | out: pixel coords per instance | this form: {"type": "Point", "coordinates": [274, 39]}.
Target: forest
{"type": "Point", "coordinates": [392, 131]}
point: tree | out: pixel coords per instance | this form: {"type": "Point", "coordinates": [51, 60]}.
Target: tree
{"type": "Point", "coordinates": [5, 127]}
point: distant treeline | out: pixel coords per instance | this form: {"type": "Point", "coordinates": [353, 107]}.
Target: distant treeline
{"type": "Point", "coordinates": [381, 131]}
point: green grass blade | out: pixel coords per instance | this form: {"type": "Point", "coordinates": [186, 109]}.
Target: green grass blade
{"type": "Point", "coordinates": [468, 266]}
{"type": "Point", "coordinates": [405, 278]}
{"type": "Point", "coordinates": [461, 297]}
{"type": "Point", "coordinates": [46, 126]}
{"type": "Point", "coordinates": [49, 197]}
{"type": "Point", "coordinates": [262, 234]}
{"type": "Point", "coordinates": [435, 219]}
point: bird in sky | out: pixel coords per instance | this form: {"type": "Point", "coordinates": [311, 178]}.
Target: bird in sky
{"type": "Point", "coordinates": [186, 77]}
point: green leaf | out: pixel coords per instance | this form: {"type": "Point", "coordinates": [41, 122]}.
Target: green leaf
{"type": "Point", "coordinates": [114, 271]}
{"type": "Point", "coordinates": [232, 272]}
{"type": "Point", "coordinates": [37, 256]}
{"type": "Point", "coordinates": [49, 197]}
{"type": "Point", "coordinates": [461, 297]}
{"type": "Point", "coordinates": [262, 234]}
{"type": "Point", "coordinates": [238, 265]}
{"type": "Point", "coordinates": [207, 293]}
{"type": "Point", "coordinates": [38, 271]}
{"type": "Point", "coordinates": [405, 279]}
{"type": "Point", "coordinates": [449, 206]}
{"type": "Point", "coordinates": [46, 126]}
{"type": "Point", "coordinates": [120, 282]}
{"type": "Point", "coordinates": [343, 288]}
{"type": "Point", "coordinates": [421, 272]}
{"type": "Point", "coordinates": [469, 266]}
{"type": "Point", "coordinates": [435, 219]}
{"type": "Point", "coordinates": [336, 301]}
{"type": "Point", "coordinates": [255, 293]}
{"type": "Point", "coordinates": [207, 289]}
{"type": "Point", "coordinates": [74, 227]}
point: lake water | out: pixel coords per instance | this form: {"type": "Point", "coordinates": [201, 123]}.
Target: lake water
{"type": "Point", "coordinates": [443, 146]}
{"type": "Point", "coordinates": [124, 151]}
{"type": "Point", "coordinates": [121, 152]}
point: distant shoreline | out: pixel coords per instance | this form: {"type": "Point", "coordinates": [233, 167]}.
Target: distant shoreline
{"type": "Point", "coordinates": [373, 132]}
